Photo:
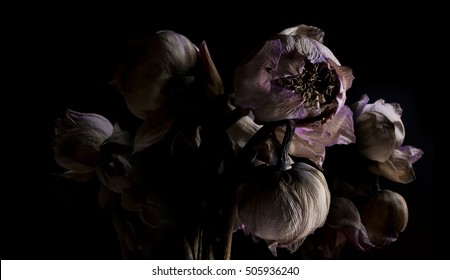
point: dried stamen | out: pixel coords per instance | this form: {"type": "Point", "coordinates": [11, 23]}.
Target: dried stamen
{"type": "Point", "coordinates": [317, 84]}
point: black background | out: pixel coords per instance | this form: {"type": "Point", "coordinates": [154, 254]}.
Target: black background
{"type": "Point", "coordinates": [63, 57]}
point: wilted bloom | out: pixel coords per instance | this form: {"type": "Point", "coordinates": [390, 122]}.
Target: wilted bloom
{"type": "Point", "coordinates": [345, 225]}
{"type": "Point", "coordinates": [77, 141]}
{"type": "Point", "coordinates": [380, 134]}
{"type": "Point", "coordinates": [385, 216]}
{"type": "Point", "coordinates": [283, 207]}
{"type": "Point", "coordinates": [292, 76]}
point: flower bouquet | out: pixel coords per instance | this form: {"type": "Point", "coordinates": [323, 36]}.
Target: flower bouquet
{"type": "Point", "coordinates": [283, 158]}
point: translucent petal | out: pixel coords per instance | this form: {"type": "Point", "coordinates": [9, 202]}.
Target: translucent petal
{"type": "Point", "coordinates": [375, 136]}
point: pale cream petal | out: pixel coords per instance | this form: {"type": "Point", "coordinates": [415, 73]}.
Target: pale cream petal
{"type": "Point", "coordinates": [242, 130]}
{"type": "Point", "coordinates": [375, 136]}
{"type": "Point", "coordinates": [398, 167]}
{"type": "Point", "coordinates": [288, 211]}
{"type": "Point", "coordinates": [304, 148]}
{"type": "Point", "coordinates": [393, 112]}
{"type": "Point", "coordinates": [252, 79]}
{"type": "Point", "coordinates": [307, 30]}
{"type": "Point", "coordinates": [337, 130]}
{"type": "Point", "coordinates": [358, 106]}
{"type": "Point", "coordinates": [310, 141]}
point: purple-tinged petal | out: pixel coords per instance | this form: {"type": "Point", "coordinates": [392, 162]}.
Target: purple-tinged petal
{"type": "Point", "coordinates": [255, 88]}
{"type": "Point", "coordinates": [310, 141]}
{"type": "Point", "coordinates": [358, 106]}
{"type": "Point", "coordinates": [75, 120]}
{"type": "Point", "coordinates": [292, 77]}
{"type": "Point", "coordinates": [242, 130]}
{"type": "Point", "coordinates": [337, 130]}
{"type": "Point", "coordinates": [413, 153]}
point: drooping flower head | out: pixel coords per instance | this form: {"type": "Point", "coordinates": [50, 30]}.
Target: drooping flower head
{"type": "Point", "coordinates": [284, 207]}
{"type": "Point", "coordinates": [292, 76]}
{"type": "Point", "coordinates": [380, 133]}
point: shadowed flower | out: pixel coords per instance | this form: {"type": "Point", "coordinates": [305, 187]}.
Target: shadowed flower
{"type": "Point", "coordinates": [77, 141]}
{"type": "Point", "coordinates": [167, 81]}
{"type": "Point", "coordinates": [379, 134]}
{"type": "Point", "coordinates": [158, 65]}
{"type": "Point", "coordinates": [292, 76]}
{"type": "Point", "coordinates": [345, 225]}
{"type": "Point", "coordinates": [385, 216]}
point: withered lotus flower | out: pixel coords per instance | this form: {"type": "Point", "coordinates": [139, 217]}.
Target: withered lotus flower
{"type": "Point", "coordinates": [380, 133]}
{"type": "Point", "coordinates": [284, 207]}
{"type": "Point", "coordinates": [345, 225]}
{"type": "Point", "coordinates": [292, 76]}
{"type": "Point", "coordinates": [385, 216]}
{"type": "Point", "coordinates": [77, 141]}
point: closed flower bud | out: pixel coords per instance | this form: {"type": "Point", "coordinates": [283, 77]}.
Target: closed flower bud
{"type": "Point", "coordinates": [385, 216]}
{"type": "Point", "coordinates": [159, 65]}
{"type": "Point", "coordinates": [77, 140]}
{"type": "Point", "coordinates": [378, 128]}
{"type": "Point", "coordinates": [284, 207]}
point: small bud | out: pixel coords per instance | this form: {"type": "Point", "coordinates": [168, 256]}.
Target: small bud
{"type": "Point", "coordinates": [385, 216]}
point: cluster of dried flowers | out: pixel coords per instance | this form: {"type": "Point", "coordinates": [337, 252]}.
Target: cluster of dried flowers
{"type": "Point", "coordinates": [205, 164]}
